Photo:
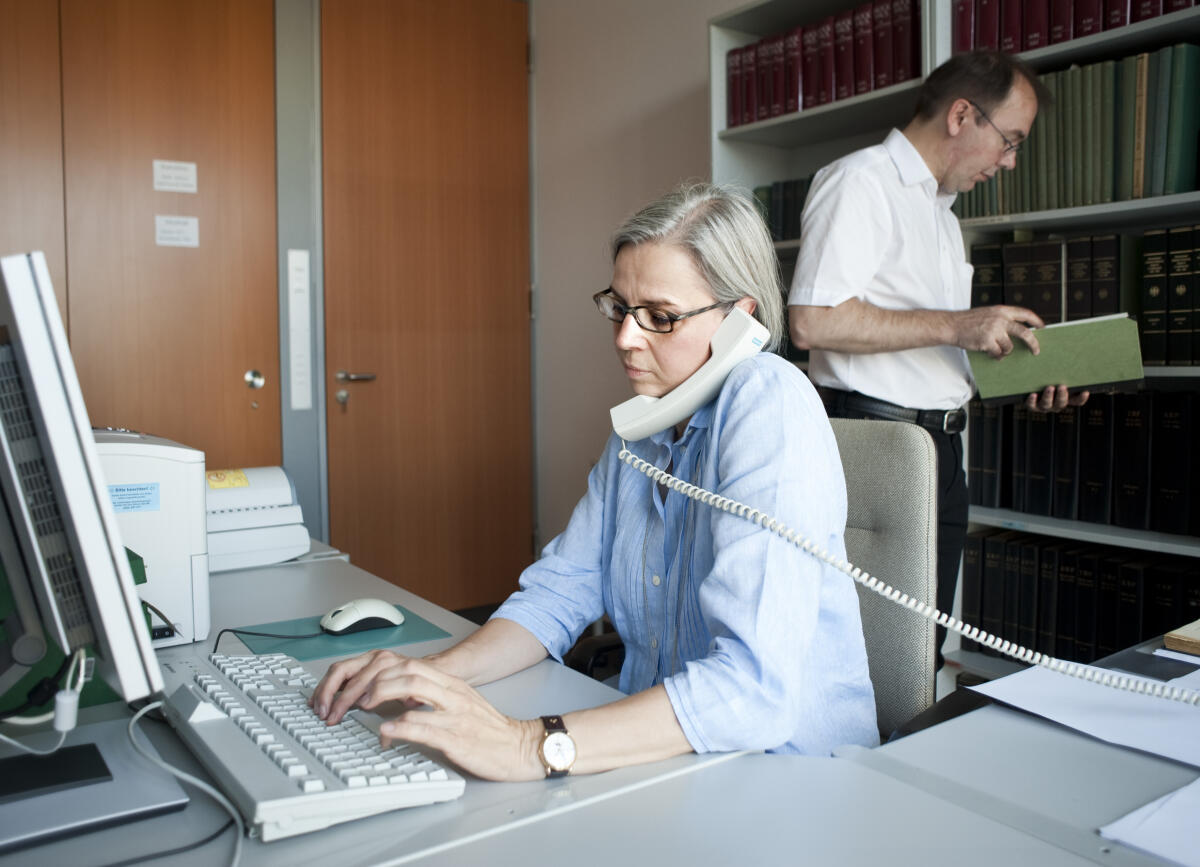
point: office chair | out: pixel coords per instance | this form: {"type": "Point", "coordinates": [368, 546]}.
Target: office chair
{"type": "Point", "coordinates": [891, 532]}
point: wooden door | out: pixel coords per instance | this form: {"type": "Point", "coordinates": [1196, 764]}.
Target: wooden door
{"type": "Point", "coordinates": [426, 191]}
{"type": "Point", "coordinates": [163, 335]}
{"type": "Point", "coordinates": [31, 169]}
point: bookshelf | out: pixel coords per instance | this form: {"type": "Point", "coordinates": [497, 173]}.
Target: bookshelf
{"type": "Point", "coordinates": [1180, 26]}
{"type": "Point", "coordinates": [797, 144]}
{"type": "Point", "coordinates": [1081, 531]}
{"type": "Point", "coordinates": [1130, 214]}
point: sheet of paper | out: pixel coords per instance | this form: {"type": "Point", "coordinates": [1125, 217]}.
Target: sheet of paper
{"type": "Point", "coordinates": [1175, 654]}
{"type": "Point", "coordinates": [171, 231]}
{"type": "Point", "coordinates": [1166, 828]}
{"type": "Point", "coordinates": [1155, 725]}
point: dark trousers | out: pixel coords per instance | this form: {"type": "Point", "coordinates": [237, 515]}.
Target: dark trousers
{"type": "Point", "coordinates": [952, 516]}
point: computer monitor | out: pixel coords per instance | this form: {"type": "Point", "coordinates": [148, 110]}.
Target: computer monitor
{"type": "Point", "coordinates": [66, 571]}
{"type": "Point", "coordinates": [59, 542]}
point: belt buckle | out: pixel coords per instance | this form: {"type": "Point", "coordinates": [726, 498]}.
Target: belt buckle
{"type": "Point", "coordinates": [946, 421]}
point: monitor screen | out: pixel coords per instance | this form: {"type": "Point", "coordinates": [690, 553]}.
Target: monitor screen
{"type": "Point", "coordinates": [67, 572]}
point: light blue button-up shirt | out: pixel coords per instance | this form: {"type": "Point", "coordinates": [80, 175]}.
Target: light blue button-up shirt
{"type": "Point", "coordinates": [759, 645]}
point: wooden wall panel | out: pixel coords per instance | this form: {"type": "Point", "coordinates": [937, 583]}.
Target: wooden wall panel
{"type": "Point", "coordinates": [31, 159]}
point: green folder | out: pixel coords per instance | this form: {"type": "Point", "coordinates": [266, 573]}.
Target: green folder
{"type": "Point", "coordinates": [1088, 353]}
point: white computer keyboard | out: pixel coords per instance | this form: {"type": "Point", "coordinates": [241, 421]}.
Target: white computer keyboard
{"type": "Point", "coordinates": [247, 720]}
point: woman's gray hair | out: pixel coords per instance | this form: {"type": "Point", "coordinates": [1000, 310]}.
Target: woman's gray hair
{"type": "Point", "coordinates": [723, 231]}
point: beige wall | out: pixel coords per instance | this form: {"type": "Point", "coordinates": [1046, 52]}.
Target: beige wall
{"type": "Point", "coordinates": [620, 114]}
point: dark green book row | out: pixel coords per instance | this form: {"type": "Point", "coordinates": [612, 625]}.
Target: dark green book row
{"type": "Point", "coordinates": [782, 203]}
{"type": "Point", "coordinates": [1059, 279]}
{"type": "Point", "coordinates": [1073, 600]}
{"type": "Point", "coordinates": [1115, 130]}
{"type": "Point", "coordinates": [1154, 276]}
{"type": "Point", "coordinates": [1126, 459]}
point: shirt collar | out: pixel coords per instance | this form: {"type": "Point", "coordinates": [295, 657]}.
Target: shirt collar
{"type": "Point", "coordinates": [912, 168]}
{"type": "Point", "coordinates": [701, 419]}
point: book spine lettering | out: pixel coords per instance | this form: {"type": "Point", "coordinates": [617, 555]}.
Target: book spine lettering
{"type": "Point", "coordinates": [844, 58]}
{"type": "Point", "coordinates": [793, 69]}
{"type": "Point", "coordinates": [904, 41]}
{"type": "Point", "coordinates": [1153, 320]}
{"type": "Point", "coordinates": [826, 61]}
{"type": "Point", "coordinates": [1180, 295]}
{"type": "Point", "coordinates": [987, 24]}
{"type": "Point", "coordinates": [1011, 26]}
{"type": "Point", "coordinates": [1062, 21]}
{"type": "Point", "coordinates": [881, 23]}
{"type": "Point", "coordinates": [1036, 21]}
{"type": "Point", "coordinates": [1089, 17]}
{"type": "Point", "coordinates": [810, 62]}
{"type": "Point", "coordinates": [733, 87]}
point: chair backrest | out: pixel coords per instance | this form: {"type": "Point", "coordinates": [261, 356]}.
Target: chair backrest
{"type": "Point", "coordinates": [891, 532]}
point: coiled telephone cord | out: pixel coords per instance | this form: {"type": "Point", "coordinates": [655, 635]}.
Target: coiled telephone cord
{"type": "Point", "coordinates": [1008, 648]}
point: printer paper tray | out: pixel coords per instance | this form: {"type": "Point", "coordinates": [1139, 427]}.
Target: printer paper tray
{"type": "Point", "coordinates": [256, 546]}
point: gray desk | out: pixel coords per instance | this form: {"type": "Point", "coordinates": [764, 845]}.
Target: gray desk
{"type": "Point", "coordinates": [994, 786]}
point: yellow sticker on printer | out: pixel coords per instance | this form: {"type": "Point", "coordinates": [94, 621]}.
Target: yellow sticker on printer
{"type": "Point", "coordinates": [226, 479]}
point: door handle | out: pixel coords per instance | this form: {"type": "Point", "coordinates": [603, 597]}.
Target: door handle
{"type": "Point", "coordinates": [343, 376]}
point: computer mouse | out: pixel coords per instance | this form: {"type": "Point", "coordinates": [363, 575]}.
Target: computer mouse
{"type": "Point", "coordinates": [359, 615]}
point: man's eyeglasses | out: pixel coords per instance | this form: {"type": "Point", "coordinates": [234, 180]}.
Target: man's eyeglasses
{"type": "Point", "coordinates": [1009, 146]}
{"type": "Point", "coordinates": [647, 318]}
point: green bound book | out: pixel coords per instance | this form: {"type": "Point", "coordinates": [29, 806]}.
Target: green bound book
{"type": "Point", "coordinates": [1183, 123]}
{"type": "Point", "coordinates": [1073, 153]}
{"type": "Point", "coordinates": [1107, 133]}
{"type": "Point", "coordinates": [1125, 117]}
{"type": "Point", "coordinates": [1049, 132]}
{"type": "Point", "coordinates": [1140, 118]}
{"type": "Point", "coordinates": [1089, 143]}
{"type": "Point", "coordinates": [1025, 190]}
{"type": "Point", "coordinates": [1159, 95]}
{"type": "Point", "coordinates": [1086, 353]}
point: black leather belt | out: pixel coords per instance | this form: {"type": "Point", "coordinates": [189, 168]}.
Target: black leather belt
{"type": "Point", "coordinates": [949, 421]}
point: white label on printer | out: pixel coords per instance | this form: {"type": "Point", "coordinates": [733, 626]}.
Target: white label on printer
{"type": "Point", "coordinates": [134, 498]}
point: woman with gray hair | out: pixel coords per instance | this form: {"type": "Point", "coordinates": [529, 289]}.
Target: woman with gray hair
{"type": "Point", "coordinates": [734, 638]}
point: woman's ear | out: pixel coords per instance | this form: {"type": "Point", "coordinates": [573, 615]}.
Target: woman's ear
{"type": "Point", "coordinates": [748, 304]}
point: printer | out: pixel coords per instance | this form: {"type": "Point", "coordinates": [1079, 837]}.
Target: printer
{"type": "Point", "coordinates": [157, 492]}
{"type": "Point", "coordinates": [254, 518]}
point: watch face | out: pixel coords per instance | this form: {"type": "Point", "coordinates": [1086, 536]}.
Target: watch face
{"type": "Point", "coordinates": [559, 751]}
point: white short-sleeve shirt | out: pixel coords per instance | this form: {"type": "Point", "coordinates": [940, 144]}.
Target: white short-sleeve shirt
{"type": "Point", "coordinates": [876, 228]}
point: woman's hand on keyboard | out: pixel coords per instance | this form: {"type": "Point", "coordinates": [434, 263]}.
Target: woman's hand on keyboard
{"type": "Point", "coordinates": [444, 714]}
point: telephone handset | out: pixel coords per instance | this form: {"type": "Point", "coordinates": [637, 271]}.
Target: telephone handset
{"type": "Point", "coordinates": [740, 337]}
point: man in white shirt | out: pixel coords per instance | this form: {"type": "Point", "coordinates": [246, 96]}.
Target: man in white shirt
{"type": "Point", "coordinates": [882, 290]}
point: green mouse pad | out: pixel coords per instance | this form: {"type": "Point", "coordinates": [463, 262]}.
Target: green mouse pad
{"type": "Point", "coordinates": [414, 628]}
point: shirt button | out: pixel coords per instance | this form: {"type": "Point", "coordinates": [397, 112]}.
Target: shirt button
{"type": "Point", "coordinates": [655, 580]}
{"type": "Point", "coordinates": [654, 643]}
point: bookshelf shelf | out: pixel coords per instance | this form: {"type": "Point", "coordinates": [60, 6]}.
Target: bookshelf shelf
{"type": "Point", "coordinates": [1181, 26]}
{"type": "Point", "coordinates": [1171, 372]}
{"type": "Point", "coordinates": [1100, 534]}
{"type": "Point", "coordinates": [890, 106]}
{"type": "Point", "coordinates": [1112, 215]}
{"type": "Point", "coordinates": [760, 19]}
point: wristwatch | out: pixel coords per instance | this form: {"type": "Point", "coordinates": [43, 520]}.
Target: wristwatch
{"type": "Point", "coordinates": [557, 749]}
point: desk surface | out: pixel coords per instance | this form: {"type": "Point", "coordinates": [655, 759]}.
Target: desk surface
{"type": "Point", "coordinates": [994, 786]}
